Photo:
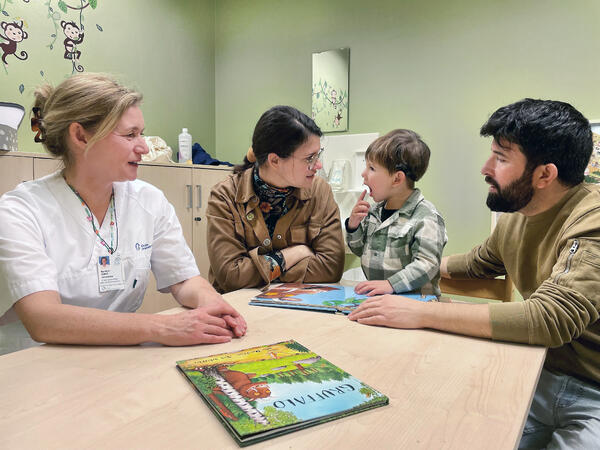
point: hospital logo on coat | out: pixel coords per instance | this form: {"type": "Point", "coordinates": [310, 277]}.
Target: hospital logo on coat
{"type": "Point", "coordinates": [140, 247]}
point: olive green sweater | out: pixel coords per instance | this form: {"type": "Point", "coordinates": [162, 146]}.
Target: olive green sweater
{"type": "Point", "coordinates": [554, 260]}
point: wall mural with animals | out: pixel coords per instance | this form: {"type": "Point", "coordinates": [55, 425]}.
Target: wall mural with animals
{"type": "Point", "coordinates": [63, 21]}
{"type": "Point", "coordinates": [46, 41]}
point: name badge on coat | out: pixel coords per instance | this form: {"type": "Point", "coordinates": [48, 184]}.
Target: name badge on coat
{"type": "Point", "coordinates": [110, 273]}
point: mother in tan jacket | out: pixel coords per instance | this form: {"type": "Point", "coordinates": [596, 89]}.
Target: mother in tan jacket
{"type": "Point", "coordinates": [274, 219]}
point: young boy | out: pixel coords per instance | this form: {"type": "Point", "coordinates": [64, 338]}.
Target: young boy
{"type": "Point", "coordinates": [400, 240]}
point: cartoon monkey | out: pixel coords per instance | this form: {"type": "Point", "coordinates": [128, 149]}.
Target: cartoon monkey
{"type": "Point", "coordinates": [338, 118]}
{"type": "Point", "coordinates": [333, 96]}
{"type": "Point", "coordinates": [14, 34]}
{"type": "Point", "coordinates": [74, 37]}
{"type": "Point", "coordinates": [242, 383]}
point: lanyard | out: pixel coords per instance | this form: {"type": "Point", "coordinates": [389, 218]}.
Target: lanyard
{"type": "Point", "coordinates": [113, 220]}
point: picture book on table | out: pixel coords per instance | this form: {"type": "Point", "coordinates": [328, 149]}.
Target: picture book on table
{"type": "Point", "coordinates": [263, 392]}
{"type": "Point", "coordinates": [319, 297]}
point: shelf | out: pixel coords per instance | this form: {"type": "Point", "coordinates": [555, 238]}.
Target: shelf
{"type": "Point", "coordinates": [350, 190]}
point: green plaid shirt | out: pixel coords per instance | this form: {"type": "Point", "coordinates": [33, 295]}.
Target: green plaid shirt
{"type": "Point", "coordinates": [406, 249]}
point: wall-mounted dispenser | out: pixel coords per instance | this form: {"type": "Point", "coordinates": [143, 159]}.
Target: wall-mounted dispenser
{"type": "Point", "coordinates": [11, 115]}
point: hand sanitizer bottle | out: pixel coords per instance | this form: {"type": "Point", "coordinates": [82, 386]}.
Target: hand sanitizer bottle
{"type": "Point", "coordinates": [185, 146]}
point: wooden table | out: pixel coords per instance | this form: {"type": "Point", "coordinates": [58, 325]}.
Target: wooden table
{"type": "Point", "coordinates": [445, 391]}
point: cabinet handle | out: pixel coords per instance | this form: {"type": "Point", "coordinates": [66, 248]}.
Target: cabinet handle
{"type": "Point", "coordinates": [197, 219]}
{"type": "Point", "coordinates": [189, 192]}
{"type": "Point", "coordinates": [199, 196]}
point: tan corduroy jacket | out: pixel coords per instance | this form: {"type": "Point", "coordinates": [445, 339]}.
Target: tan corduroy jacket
{"type": "Point", "coordinates": [238, 236]}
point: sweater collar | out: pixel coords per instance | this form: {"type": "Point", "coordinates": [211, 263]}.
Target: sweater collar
{"type": "Point", "coordinates": [551, 213]}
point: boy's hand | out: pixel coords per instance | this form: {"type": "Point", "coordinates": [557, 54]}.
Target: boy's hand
{"type": "Point", "coordinates": [375, 287]}
{"type": "Point", "coordinates": [359, 212]}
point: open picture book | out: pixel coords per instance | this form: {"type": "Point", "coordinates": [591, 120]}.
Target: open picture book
{"type": "Point", "coordinates": [318, 297]}
{"type": "Point", "coordinates": [263, 392]}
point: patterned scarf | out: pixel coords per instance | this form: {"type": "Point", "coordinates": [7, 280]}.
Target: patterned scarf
{"type": "Point", "coordinates": [272, 200]}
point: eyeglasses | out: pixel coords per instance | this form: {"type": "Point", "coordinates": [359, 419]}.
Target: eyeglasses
{"type": "Point", "coordinates": [311, 161]}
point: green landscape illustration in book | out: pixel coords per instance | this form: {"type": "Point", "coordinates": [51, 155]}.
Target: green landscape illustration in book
{"type": "Point", "coordinates": [266, 391]}
{"type": "Point", "coordinates": [318, 297]}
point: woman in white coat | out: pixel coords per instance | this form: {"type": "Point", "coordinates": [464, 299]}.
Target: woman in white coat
{"type": "Point", "coordinates": [77, 246]}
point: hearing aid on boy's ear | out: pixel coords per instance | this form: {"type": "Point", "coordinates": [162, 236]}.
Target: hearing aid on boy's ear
{"type": "Point", "coordinates": [404, 168]}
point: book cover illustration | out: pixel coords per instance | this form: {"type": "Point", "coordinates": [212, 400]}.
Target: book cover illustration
{"type": "Point", "coordinates": [266, 391]}
{"type": "Point", "coordinates": [319, 297]}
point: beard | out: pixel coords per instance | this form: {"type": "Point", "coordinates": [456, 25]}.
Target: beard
{"type": "Point", "coordinates": [514, 196]}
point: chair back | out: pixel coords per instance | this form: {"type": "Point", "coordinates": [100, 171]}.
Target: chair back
{"type": "Point", "coordinates": [493, 289]}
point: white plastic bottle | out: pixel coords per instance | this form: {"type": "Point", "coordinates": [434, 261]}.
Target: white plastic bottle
{"type": "Point", "coordinates": [185, 146]}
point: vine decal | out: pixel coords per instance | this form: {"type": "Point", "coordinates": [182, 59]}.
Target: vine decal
{"type": "Point", "coordinates": [73, 32]}
{"type": "Point", "coordinates": [54, 16]}
{"type": "Point", "coordinates": [330, 105]}
{"type": "Point", "coordinates": [74, 36]}
{"type": "Point", "coordinates": [330, 89]}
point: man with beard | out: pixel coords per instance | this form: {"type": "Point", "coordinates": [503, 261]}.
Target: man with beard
{"type": "Point", "coordinates": [550, 247]}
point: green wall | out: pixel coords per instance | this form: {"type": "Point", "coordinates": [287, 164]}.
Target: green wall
{"type": "Point", "coordinates": [164, 49]}
{"type": "Point", "coordinates": [438, 67]}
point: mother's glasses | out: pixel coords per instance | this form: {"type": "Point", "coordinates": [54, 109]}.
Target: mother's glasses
{"type": "Point", "coordinates": [311, 161]}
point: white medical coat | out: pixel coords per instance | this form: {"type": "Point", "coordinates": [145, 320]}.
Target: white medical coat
{"type": "Point", "coordinates": [47, 243]}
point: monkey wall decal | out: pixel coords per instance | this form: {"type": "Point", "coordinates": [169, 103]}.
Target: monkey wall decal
{"type": "Point", "coordinates": [74, 36]}
{"type": "Point", "coordinates": [337, 119]}
{"type": "Point", "coordinates": [13, 34]}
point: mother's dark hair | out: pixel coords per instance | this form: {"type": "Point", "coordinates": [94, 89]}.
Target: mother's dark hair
{"type": "Point", "coordinates": [280, 130]}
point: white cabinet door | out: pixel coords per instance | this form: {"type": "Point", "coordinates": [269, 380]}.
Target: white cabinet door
{"type": "Point", "coordinates": [204, 180]}
{"type": "Point", "coordinates": [187, 188]}
{"type": "Point", "coordinates": [176, 184]}
{"type": "Point", "coordinates": [45, 166]}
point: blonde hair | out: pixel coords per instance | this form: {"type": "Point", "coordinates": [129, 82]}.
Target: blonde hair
{"type": "Point", "coordinates": [95, 101]}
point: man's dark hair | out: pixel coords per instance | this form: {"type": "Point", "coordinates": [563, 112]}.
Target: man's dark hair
{"type": "Point", "coordinates": [547, 131]}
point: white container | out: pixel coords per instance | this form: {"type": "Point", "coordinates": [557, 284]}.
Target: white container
{"type": "Point", "coordinates": [348, 146]}
{"type": "Point", "coordinates": [185, 146]}
{"type": "Point", "coordinates": [339, 175]}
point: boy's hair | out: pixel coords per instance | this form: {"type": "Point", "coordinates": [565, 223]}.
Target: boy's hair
{"type": "Point", "coordinates": [547, 131]}
{"type": "Point", "coordinates": [402, 150]}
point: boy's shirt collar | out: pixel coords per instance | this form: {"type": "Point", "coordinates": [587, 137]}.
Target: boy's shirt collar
{"type": "Point", "coordinates": [407, 208]}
